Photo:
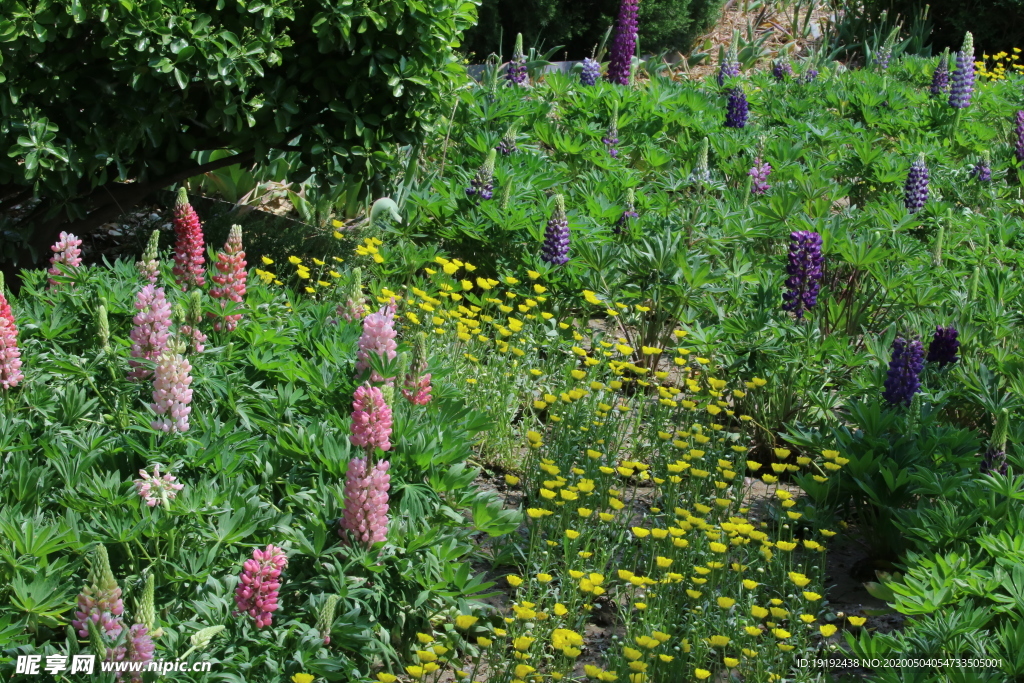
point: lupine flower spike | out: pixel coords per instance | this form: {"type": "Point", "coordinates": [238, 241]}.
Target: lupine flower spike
{"type": "Point", "coordinates": [612, 137]}
{"type": "Point", "coordinates": [809, 75]}
{"type": "Point", "coordinates": [982, 170]}
{"type": "Point", "coordinates": [417, 379]}
{"type": "Point", "coordinates": [781, 69]}
{"type": "Point", "coordinates": [371, 419]}
{"type": "Point", "coordinates": [885, 51]}
{"type": "Point", "coordinates": [151, 331]}
{"type": "Point", "coordinates": [190, 330]}
{"type": "Point", "coordinates": [963, 77]}
{"type": "Point", "coordinates": [66, 252]}
{"type": "Point", "coordinates": [156, 489]}
{"type": "Point", "coordinates": [736, 113]}
{"type": "Point", "coordinates": [904, 370]}
{"type": "Point", "coordinates": [1019, 149]}
{"type": "Point", "coordinates": [700, 172]}
{"type": "Point", "coordinates": [630, 212]}
{"type": "Point", "coordinates": [556, 237]}
{"type": "Point", "coordinates": [994, 460]}
{"type": "Point", "coordinates": [259, 583]}
{"type": "Point", "coordinates": [915, 193]}
{"type": "Point", "coordinates": [482, 186]}
{"type": "Point", "coordinates": [366, 502]}
{"type": "Point", "coordinates": [147, 606]}
{"type": "Point", "coordinates": [944, 346]}
{"type": "Point", "coordinates": [759, 175]}
{"type": "Point", "coordinates": [624, 44]}
{"type": "Point", "coordinates": [100, 600]}
{"type": "Point", "coordinates": [229, 282]}
{"type": "Point", "coordinates": [940, 77]}
{"type": "Point", "coordinates": [189, 259]}
{"type": "Point", "coordinates": [10, 354]}
{"type": "Point", "coordinates": [140, 648]}
{"type": "Point", "coordinates": [591, 72]}
{"type": "Point", "coordinates": [171, 390]}
{"type": "Point", "coordinates": [149, 266]}
{"type": "Point", "coordinates": [378, 338]}
{"type": "Point", "coordinates": [805, 262]}
{"type": "Point", "coordinates": [354, 307]}
{"type": "Point", "coordinates": [515, 70]}
{"type": "Point", "coordinates": [728, 63]}
{"type": "Point", "coordinates": [325, 619]}
{"type": "Point", "coordinates": [507, 145]}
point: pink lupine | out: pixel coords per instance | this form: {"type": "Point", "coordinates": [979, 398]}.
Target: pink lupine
{"type": "Point", "coordinates": [100, 600]}
{"type": "Point", "coordinates": [230, 280]}
{"type": "Point", "coordinates": [371, 419]}
{"type": "Point", "coordinates": [151, 331]}
{"type": "Point", "coordinates": [188, 246]}
{"type": "Point", "coordinates": [258, 585]}
{"type": "Point", "coordinates": [10, 355]}
{"type": "Point", "coordinates": [366, 502]}
{"type": "Point", "coordinates": [5, 308]}
{"type": "Point", "coordinates": [378, 338]}
{"type": "Point", "coordinates": [157, 489]}
{"type": "Point", "coordinates": [171, 392]}
{"type": "Point", "coordinates": [418, 391]}
{"type": "Point", "coordinates": [149, 266]}
{"type": "Point", "coordinates": [139, 648]}
{"type": "Point", "coordinates": [417, 380]}
{"type": "Point", "coordinates": [67, 252]}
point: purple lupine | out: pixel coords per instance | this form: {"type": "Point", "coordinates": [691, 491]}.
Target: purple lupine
{"type": "Point", "coordinates": [100, 600]}
{"type": "Point", "coordinates": [151, 331]}
{"type": "Point", "coordinates": [591, 71]}
{"type": "Point", "coordinates": [1020, 136]}
{"type": "Point", "coordinates": [759, 172]}
{"type": "Point", "coordinates": [482, 185]}
{"type": "Point", "coordinates": [611, 138]}
{"type": "Point", "coordinates": [378, 338]}
{"type": "Point", "coordinates": [366, 502]}
{"type": "Point", "coordinates": [940, 77]}
{"type": "Point", "coordinates": [507, 145]}
{"type": "Point", "coordinates": [944, 346]}
{"type": "Point", "coordinates": [781, 69]}
{"type": "Point", "coordinates": [994, 459]}
{"type": "Point", "coordinates": [902, 380]}
{"type": "Point", "coordinates": [736, 113]}
{"type": "Point", "coordinates": [963, 76]}
{"type": "Point", "coordinates": [10, 354]}
{"type": "Point", "coordinates": [728, 64]}
{"type": "Point", "coordinates": [624, 44]}
{"type": "Point", "coordinates": [157, 489]}
{"type": "Point", "coordinates": [258, 585]}
{"type": "Point", "coordinates": [804, 269]}
{"type": "Point", "coordinates": [982, 170]}
{"type": "Point", "coordinates": [810, 75]}
{"type": "Point", "coordinates": [630, 212]}
{"type": "Point", "coordinates": [915, 192]}
{"type": "Point", "coordinates": [556, 237]}
{"type": "Point", "coordinates": [515, 70]}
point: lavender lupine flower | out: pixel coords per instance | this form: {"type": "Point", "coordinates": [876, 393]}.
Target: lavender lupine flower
{"type": "Point", "coordinates": [515, 70]}
{"type": "Point", "coordinates": [612, 137]}
{"type": "Point", "coordinates": [149, 266]}
{"type": "Point", "coordinates": [700, 172]}
{"type": "Point", "coordinates": [982, 170]}
{"type": "Point", "coordinates": [809, 75]}
{"type": "Point", "coordinates": [624, 44]}
{"type": "Point", "coordinates": [100, 600]}
{"type": "Point", "coordinates": [994, 459]}
{"type": "Point", "coordinates": [591, 72]}
{"type": "Point", "coordinates": [366, 502]}
{"type": "Point", "coordinates": [371, 419]}
{"type": "Point", "coordinates": [556, 237]}
{"type": "Point", "coordinates": [963, 76]}
{"type": "Point", "coordinates": [630, 212]}
{"type": "Point", "coordinates": [804, 269]}
{"type": "Point", "coordinates": [482, 186]}
{"type": "Point", "coordinates": [781, 69]}
{"type": "Point", "coordinates": [171, 392]}
{"type": "Point", "coordinates": [907, 362]}
{"type": "Point", "coordinates": [944, 346]}
{"type": "Point", "coordinates": [378, 338]}
{"type": "Point", "coordinates": [507, 145]}
{"type": "Point", "coordinates": [759, 173]}
{"type": "Point", "coordinates": [915, 192]}
{"type": "Point", "coordinates": [157, 489]}
{"type": "Point", "coordinates": [1020, 136]}
{"type": "Point", "coordinates": [736, 114]}
{"type": "Point", "coordinates": [728, 62]}
{"type": "Point", "coordinates": [258, 585]}
{"type": "Point", "coordinates": [151, 331]}
{"type": "Point", "coordinates": [940, 77]}
{"type": "Point", "coordinates": [65, 252]}
{"type": "Point", "coordinates": [884, 55]}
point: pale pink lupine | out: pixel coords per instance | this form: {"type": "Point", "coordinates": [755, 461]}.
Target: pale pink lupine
{"type": "Point", "coordinates": [188, 245]}
{"type": "Point", "coordinates": [149, 266]}
{"type": "Point", "coordinates": [100, 600]}
{"type": "Point", "coordinates": [418, 390]}
{"type": "Point", "coordinates": [66, 252]}
{"type": "Point", "coordinates": [157, 489]}
{"type": "Point", "coordinates": [5, 308]}
{"type": "Point", "coordinates": [378, 338]}
{"type": "Point", "coordinates": [230, 280]}
{"type": "Point", "coordinates": [151, 331]}
{"type": "Point", "coordinates": [10, 355]}
{"type": "Point", "coordinates": [371, 419]}
{"type": "Point", "coordinates": [366, 502]}
{"type": "Point", "coordinates": [139, 648]}
{"type": "Point", "coordinates": [171, 392]}
{"type": "Point", "coordinates": [258, 585]}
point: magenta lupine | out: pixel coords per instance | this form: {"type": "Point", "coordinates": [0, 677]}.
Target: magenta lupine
{"type": "Point", "coordinates": [259, 583]}
{"type": "Point", "coordinates": [10, 355]}
{"type": "Point", "coordinates": [140, 648]}
{"type": "Point", "coordinates": [624, 44]}
{"type": "Point", "coordinates": [371, 419]}
{"type": "Point", "coordinates": [366, 502]}
{"type": "Point", "coordinates": [1020, 136]}
{"type": "Point", "coordinates": [151, 331]}
{"type": "Point", "coordinates": [417, 380]}
{"type": "Point", "coordinates": [230, 279]}
{"type": "Point", "coordinates": [759, 173]}
{"type": "Point", "coordinates": [378, 338]}
{"type": "Point", "coordinates": [171, 392]}
{"type": "Point", "coordinates": [156, 489]}
{"type": "Point", "coordinates": [189, 258]}
{"type": "Point", "coordinates": [149, 266]}
{"type": "Point", "coordinates": [67, 252]}
{"type": "Point", "coordinates": [100, 600]}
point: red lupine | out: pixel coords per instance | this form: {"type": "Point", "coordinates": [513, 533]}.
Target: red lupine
{"type": "Point", "coordinates": [230, 280]}
{"type": "Point", "coordinates": [188, 246]}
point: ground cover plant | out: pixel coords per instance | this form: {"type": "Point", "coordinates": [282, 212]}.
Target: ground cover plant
{"type": "Point", "coordinates": [698, 332]}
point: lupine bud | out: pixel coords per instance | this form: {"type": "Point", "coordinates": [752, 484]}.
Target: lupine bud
{"type": "Point", "coordinates": [963, 76]}
{"type": "Point", "coordinates": [940, 77]}
{"type": "Point", "coordinates": [728, 63]}
{"type": "Point", "coordinates": [508, 144]}
{"type": "Point", "coordinates": [904, 369]}
{"type": "Point", "coordinates": [352, 310]}
{"type": "Point", "coordinates": [700, 172]}
{"type": "Point", "coordinates": [630, 211]}
{"type": "Point", "coordinates": [147, 604]}
{"type": "Point", "coordinates": [805, 262]}
{"type": "Point", "coordinates": [937, 253]}
{"type": "Point", "coordinates": [994, 459]}
{"type": "Point", "coordinates": [624, 43]}
{"type": "Point", "coordinates": [556, 237]}
{"type": "Point", "coordinates": [982, 170]}
{"type": "Point", "coordinates": [189, 259]}
{"type": "Point", "coordinates": [378, 338]}
{"type": "Point", "coordinates": [417, 379]}
{"type": "Point", "coordinates": [258, 585]}
{"type": "Point", "coordinates": [66, 252]}
{"type": "Point", "coordinates": [157, 489]}
{"type": "Point", "coordinates": [325, 619]}
{"type": "Point", "coordinates": [781, 69]}
{"type": "Point", "coordinates": [190, 330]}
{"type": "Point", "coordinates": [612, 137]}
{"type": "Point", "coordinates": [515, 70]}
{"type": "Point", "coordinates": [1019, 149]}
{"type": "Point", "coordinates": [100, 601]}
{"type": "Point", "coordinates": [149, 266]}
{"type": "Point", "coordinates": [171, 392]}
{"type": "Point", "coordinates": [759, 175]}
{"type": "Point", "coordinates": [591, 72]}
{"type": "Point", "coordinates": [737, 109]}
{"type": "Point", "coordinates": [506, 194]}
{"type": "Point", "coordinates": [103, 327]}
{"type": "Point", "coordinates": [482, 186]}
{"type": "Point", "coordinates": [92, 632]}
{"type": "Point", "coordinates": [371, 419]}
{"type": "Point", "coordinates": [366, 502]}
{"type": "Point", "coordinates": [944, 346]}
{"type": "Point", "coordinates": [202, 638]}
{"type": "Point", "coordinates": [151, 331]}
{"type": "Point", "coordinates": [915, 192]}
{"type": "Point", "coordinates": [229, 282]}
{"type": "Point", "coordinates": [972, 290]}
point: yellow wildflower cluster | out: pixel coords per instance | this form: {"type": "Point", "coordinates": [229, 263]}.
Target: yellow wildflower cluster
{"type": "Point", "coordinates": [999, 66]}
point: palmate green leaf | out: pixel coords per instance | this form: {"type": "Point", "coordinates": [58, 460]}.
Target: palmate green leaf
{"type": "Point", "coordinates": [44, 598]}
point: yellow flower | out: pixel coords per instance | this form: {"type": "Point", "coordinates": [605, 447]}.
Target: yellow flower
{"type": "Point", "coordinates": [464, 621]}
{"type": "Point", "coordinates": [523, 643]}
{"type": "Point", "coordinates": [701, 674]}
{"type": "Point", "coordinates": [726, 603]}
{"type": "Point", "coordinates": [758, 612]}
{"type": "Point", "coordinates": [752, 630]}
{"type": "Point", "coordinates": [308, 678]}
{"type": "Point", "coordinates": [811, 596]}
{"type": "Point", "coordinates": [719, 641]}
{"type": "Point", "coordinates": [514, 581]}
{"type": "Point", "coordinates": [718, 547]}
{"type": "Point", "coordinates": [641, 532]}
{"type": "Point", "coordinates": [385, 677]}
{"type": "Point", "coordinates": [799, 579]}
{"type": "Point", "coordinates": [856, 621]}
{"type": "Point", "coordinates": [827, 629]}
{"type": "Point", "coordinates": [414, 671]}
{"type": "Point", "coordinates": [781, 633]}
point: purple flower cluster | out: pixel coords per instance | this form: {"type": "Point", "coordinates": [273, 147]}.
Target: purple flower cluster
{"type": "Point", "coordinates": [591, 72]}
{"type": "Point", "coordinates": [728, 66]}
{"type": "Point", "coordinates": [944, 346]}
{"type": "Point", "coordinates": [994, 459]}
{"type": "Point", "coordinates": [630, 212]}
{"type": "Point", "coordinates": [963, 76]}
{"type": "Point", "coordinates": [507, 145]}
{"type": "Point", "coordinates": [907, 362]}
{"type": "Point", "coordinates": [809, 75]}
{"type": "Point", "coordinates": [482, 186]}
{"type": "Point", "coordinates": [624, 44]}
{"type": "Point", "coordinates": [781, 69]}
{"type": "Point", "coordinates": [940, 77]}
{"type": "Point", "coordinates": [982, 171]}
{"type": "Point", "coordinates": [556, 237]}
{"type": "Point", "coordinates": [915, 192]}
{"type": "Point", "coordinates": [258, 585]}
{"type": "Point", "coordinates": [737, 109]}
{"type": "Point", "coordinates": [1019, 151]}
{"type": "Point", "coordinates": [515, 70]}
{"type": "Point", "coordinates": [804, 269]}
{"type": "Point", "coordinates": [759, 173]}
